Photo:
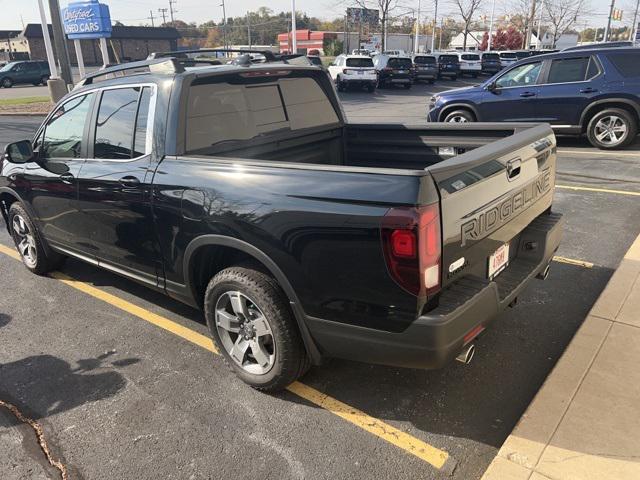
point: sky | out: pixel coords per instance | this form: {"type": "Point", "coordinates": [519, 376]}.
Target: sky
{"type": "Point", "coordinates": [135, 12]}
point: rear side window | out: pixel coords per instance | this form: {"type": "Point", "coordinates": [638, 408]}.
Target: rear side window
{"type": "Point", "coordinates": [424, 60]}
{"type": "Point", "coordinates": [65, 128]}
{"type": "Point", "coordinates": [449, 59]}
{"type": "Point", "coordinates": [470, 56]}
{"type": "Point", "coordinates": [224, 111]}
{"type": "Point", "coordinates": [508, 56]}
{"type": "Point", "coordinates": [359, 62]}
{"type": "Point", "coordinates": [491, 56]}
{"type": "Point", "coordinates": [566, 70]}
{"type": "Point", "coordinates": [627, 64]}
{"type": "Point", "coordinates": [399, 63]}
{"type": "Point", "coordinates": [121, 127]}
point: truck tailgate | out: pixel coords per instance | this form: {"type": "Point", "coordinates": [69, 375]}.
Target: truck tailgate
{"type": "Point", "coordinates": [488, 196]}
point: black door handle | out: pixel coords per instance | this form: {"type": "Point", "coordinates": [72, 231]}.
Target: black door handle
{"type": "Point", "coordinates": [527, 94]}
{"type": "Point", "coordinates": [67, 178]}
{"type": "Point", "coordinates": [129, 181]}
{"type": "Point", "coordinates": [588, 90]}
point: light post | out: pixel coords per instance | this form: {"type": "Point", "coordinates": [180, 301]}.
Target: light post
{"type": "Point", "coordinates": [435, 25]}
{"type": "Point", "coordinates": [493, 11]}
{"type": "Point", "coordinates": [417, 39]}
{"type": "Point", "coordinates": [224, 26]}
{"type": "Point", "coordinates": [294, 42]}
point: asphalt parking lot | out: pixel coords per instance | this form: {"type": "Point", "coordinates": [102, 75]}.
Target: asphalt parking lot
{"type": "Point", "coordinates": [125, 386]}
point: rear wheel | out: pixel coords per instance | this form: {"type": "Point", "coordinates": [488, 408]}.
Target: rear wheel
{"type": "Point", "coordinates": [407, 86]}
{"type": "Point", "coordinates": [44, 80]}
{"type": "Point", "coordinates": [371, 88]}
{"type": "Point", "coordinates": [7, 83]}
{"type": "Point", "coordinates": [252, 324]}
{"type": "Point", "coordinates": [28, 242]}
{"type": "Point", "coordinates": [431, 81]}
{"type": "Point", "coordinates": [612, 128]}
{"type": "Point", "coordinates": [340, 85]}
{"type": "Point", "coordinates": [459, 116]}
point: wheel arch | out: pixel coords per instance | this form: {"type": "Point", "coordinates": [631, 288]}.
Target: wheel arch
{"type": "Point", "coordinates": [7, 198]}
{"type": "Point", "coordinates": [602, 104]}
{"type": "Point", "coordinates": [457, 106]}
{"type": "Point", "coordinates": [243, 251]}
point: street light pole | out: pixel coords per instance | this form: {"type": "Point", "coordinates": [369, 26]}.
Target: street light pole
{"type": "Point", "coordinates": [417, 39]}
{"type": "Point", "coordinates": [47, 41]}
{"type": "Point", "coordinates": [60, 41]}
{"type": "Point", "coordinates": [224, 26]}
{"type": "Point", "coordinates": [606, 31]}
{"type": "Point", "coordinates": [493, 11]}
{"type": "Point", "coordinates": [634, 26]}
{"type": "Point", "coordinates": [294, 42]}
{"type": "Point", "coordinates": [435, 25]}
{"type": "Point", "coordinates": [539, 42]}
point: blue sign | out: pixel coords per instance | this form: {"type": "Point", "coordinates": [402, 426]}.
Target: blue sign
{"type": "Point", "coordinates": [88, 19]}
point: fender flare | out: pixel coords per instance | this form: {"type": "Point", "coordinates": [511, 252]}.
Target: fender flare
{"type": "Point", "coordinates": [634, 105]}
{"type": "Point", "coordinates": [449, 106]}
{"type": "Point", "coordinates": [264, 259]}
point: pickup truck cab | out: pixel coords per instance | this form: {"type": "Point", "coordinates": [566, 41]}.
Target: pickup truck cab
{"type": "Point", "coordinates": [353, 71]}
{"type": "Point", "coordinates": [242, 190]}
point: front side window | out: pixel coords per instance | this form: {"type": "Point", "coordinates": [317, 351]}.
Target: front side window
{"type": "Point", "coordinates": [121, 127]}
{"type": "Point", "coordinates": [567, 70]}
{"type": "Point", "coordinates": [65, 128]}
{"type": "Point", "coordinates": [520, 76]}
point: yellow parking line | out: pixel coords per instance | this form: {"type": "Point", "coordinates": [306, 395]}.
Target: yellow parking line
{"type": "Point", "coordinates": [602, 190]}
{"type": "Point", "coordinates": [597, 152]}
{"type": "Point", "coordinates": [406, 442]}
{"type": "Point", "coordinates": [571, 261]}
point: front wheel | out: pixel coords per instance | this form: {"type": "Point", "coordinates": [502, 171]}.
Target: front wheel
{"type": "Point", "coordinates": [459, 116]}
{"type": "Point", "coordinates": [253, 327]}
{"type": "Point", "coordinates": [7, 83]}
{"type": "Point", "coordinates": [612, 128]}
{"type": "Point", "coordinates": [29, 244]}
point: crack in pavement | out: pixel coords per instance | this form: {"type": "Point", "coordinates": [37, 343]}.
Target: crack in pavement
{"type": "Point", "coordinates": [42, 441]}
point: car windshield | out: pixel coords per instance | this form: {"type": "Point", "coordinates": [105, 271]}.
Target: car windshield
{"type": "Point", "coordinates": [424, 60]}
{"type": "Point", "coordinates": [8, 67]}
{"type": "Point", "coordinates": [359, 62]}
{"type": "Point", "coordinates": [399, 63]}
{"type": "Point", "coordinates": [471, 56]}
{"type": "Point", "coordinates": [448, 59]}
{"type": "Point", "coordinates": [490, 56]}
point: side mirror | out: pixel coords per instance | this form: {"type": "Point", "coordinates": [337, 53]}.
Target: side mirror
{"type": "Point", "coordinates": [19, 152]}
{"type": "Point", "coordinates": [492, 87]}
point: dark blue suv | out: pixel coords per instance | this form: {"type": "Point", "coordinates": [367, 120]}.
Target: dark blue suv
{"type": "Point", "coordinates": [594, 92]}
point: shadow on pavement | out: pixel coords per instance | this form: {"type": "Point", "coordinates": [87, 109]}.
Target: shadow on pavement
{"type": "Point", "coordinates": [4, 319]}
{"type": "Point", "coordinates": [45, 385]}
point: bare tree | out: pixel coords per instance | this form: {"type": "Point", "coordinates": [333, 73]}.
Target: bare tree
{"type": "Point", "coordinates": [467, 9]}
{"type": "Point", "coordinates": [563, 15]}
{"type": "Point", "coordinates": [385, 9]}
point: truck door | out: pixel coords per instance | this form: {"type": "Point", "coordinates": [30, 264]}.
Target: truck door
{"type": "Point", "coordinates": [114, 186]}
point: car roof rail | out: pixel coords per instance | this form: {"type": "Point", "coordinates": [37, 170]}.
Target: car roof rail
{"type": "Point", "coordinates": [268, 54]}
{"type": "Point", "coordinates": [156, 65]}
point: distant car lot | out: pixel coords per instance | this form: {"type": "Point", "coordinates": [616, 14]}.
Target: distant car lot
{"type": "Point", "coordinates": [107, 384]}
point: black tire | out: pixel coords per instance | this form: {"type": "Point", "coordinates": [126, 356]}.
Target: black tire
{"type": "Point", "coordinates": [290, 360]}
{"type": "Point", "coordinates": [340, 85]}
{"type": "Point", "coordinates": [459, 116]}
{"type": "Point", "coordinates": [371, 88]}
{"type": "Point", "coordinates": [624, 118]}
{"type": "Point", "coordinates": [407, 86]}
{"type": "Point", "coordinates": [7, 83]}
{"type": "Point", "coordinates": [44, 79]}
{"type": "Point", "coordinates": [454, 78]}
{"type": "Point", "coordinates": [474, 75]}
{"type": "Point", "coordinates": [431, 81]}
{"type": "Point", "coordinates": [34, 257]}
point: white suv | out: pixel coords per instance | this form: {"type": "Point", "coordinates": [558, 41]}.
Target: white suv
{"type": "Point", "coordinates": [353, 70]}
{"type": "Point", "coordinates": [470, 64]}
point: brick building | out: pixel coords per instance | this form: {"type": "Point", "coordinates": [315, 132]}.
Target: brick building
{"type": "Point", "coordinates": [305, 40]}
{"type": "Point", "coordinates": [126, 43]}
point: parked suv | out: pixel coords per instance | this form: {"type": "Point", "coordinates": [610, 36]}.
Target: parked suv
{"type": "Point", "coordinates": [594, 92]}
{"type": "Point", "coordinates": [33, 72]}
{"type": "Point", "coordinates": [470, 64]}
{"type": "Point", "coordinates": [353, 70]}
{"type": "Point", "coordinates": [425, 67]}
{"type": "Point", "coordinates": [448, 65]}
{"type": "Point", "coordinates": [393, 70]}
{"type": "Point", "coordinates": [490, 62]}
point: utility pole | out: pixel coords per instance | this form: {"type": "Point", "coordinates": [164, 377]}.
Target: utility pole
{"type": "Point", "coordinates": [493, 12]}
{"type": "Point", "coordinates": [529, 29]}
{"type": "Point", "coordinates": [606, 31]}
{"type": "Point", "coordinates": [294, 40]}
{"type": "Point", "coordinates": [163, 12]}
{"type": "Point", "coordinates": [435, 25]}
{"type": "Point", "coordinates": [151, 17]}
{"type": "Point", "coordinates": [249, 30]}
{"type": "Point", "coordinates": [634, 26]}
{"type": "Point", "coordinates": [417, 39]}
{"type": "Point", "coordinates": [539, 42]}
{"type": "Point", "coordinates": [224, 26]}
{"type": "Point", "coordinates": [60, 42]}
{"type": "Point", "coordinates": [441, 28]}
{"type": "Point", "coordinates": [171, 10]}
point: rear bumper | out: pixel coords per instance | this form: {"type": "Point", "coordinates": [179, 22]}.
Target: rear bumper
{"type": "Point", "coordinates": [436, 338]}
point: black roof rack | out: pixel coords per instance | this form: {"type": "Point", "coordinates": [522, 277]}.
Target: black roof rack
{"type": "Point", "coordinates": [156, 65]}
{"type": "Point", "coordinates": [268, 54]}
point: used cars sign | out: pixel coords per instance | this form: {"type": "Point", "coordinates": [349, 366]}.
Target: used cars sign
{"type": "Point", "coordinates": [89, 19]}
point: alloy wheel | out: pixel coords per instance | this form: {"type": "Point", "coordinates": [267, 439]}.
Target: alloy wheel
{"type": "Point", "coordinates": [25, 241]}
{"type": "Point", "coordinates": [245, 333]}
{"type": "Point", "coordinates": [610, 130]}
{"type": "Point", "coordinates": [458, 119]}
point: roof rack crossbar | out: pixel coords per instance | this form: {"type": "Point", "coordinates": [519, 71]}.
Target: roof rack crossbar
{"type": "Point", "coordinates": [268, 54]}
{"type": "Point", "coordinates": [167, 65]}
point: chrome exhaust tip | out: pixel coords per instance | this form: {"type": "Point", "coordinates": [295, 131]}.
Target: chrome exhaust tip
{"type": "Point", "coordinates": [544, 274]}
{"type": "Point", "coordinates": [466, 354]}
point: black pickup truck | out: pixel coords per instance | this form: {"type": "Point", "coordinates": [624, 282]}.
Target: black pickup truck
{"type": "Point", "coordinates": [242, 190]}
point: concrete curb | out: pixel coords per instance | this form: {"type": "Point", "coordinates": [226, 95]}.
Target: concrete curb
{"type": "Point", "coordinates": [571, 429]}
{"type": "Point", "coordinates": [23, 114]}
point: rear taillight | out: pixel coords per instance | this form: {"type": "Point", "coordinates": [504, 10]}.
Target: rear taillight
{"type": "Point", "coordinates": [412, 247]}
{"type": "Point", "coordinates": [387, 69]}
